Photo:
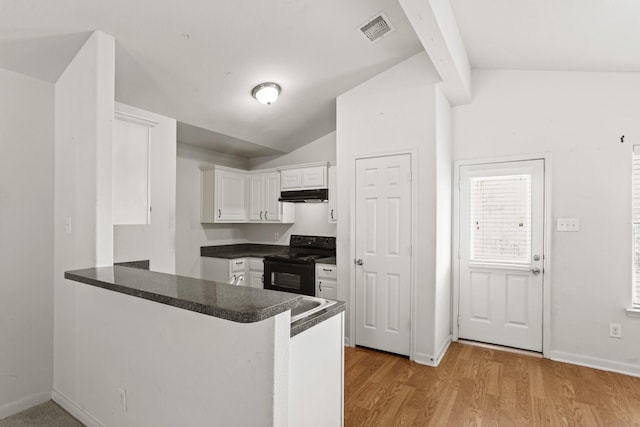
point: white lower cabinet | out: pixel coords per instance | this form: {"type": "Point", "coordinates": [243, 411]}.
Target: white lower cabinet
{"type": "Point", "coordinates": [224, 269]}
{"type": "Point", "coordinates": [316, 375]}
{"type": "Point", "coordinates": [256, 273]}
{"type": "Point", "coordinates": [326, 281]}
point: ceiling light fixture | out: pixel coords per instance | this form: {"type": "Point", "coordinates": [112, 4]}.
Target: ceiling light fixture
{"type": "Point", "coordinates": [266, 93]}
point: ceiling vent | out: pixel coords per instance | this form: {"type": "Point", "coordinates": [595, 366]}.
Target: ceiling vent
{"type": "Point", "coordinates": [376, 28]}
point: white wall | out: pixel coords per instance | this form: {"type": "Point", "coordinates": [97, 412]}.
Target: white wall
{"type": "Point", "coordinates": [26, 242]}
{"type": "Point", "coordinates": [394, 112]}
{"type": "Point", "coordinates": [190, 233]}
{"type": "Point", "coordinates": [578, 118]}
{"type": "Point", "coordinates": [177, 367]}
{"type": "Point", "coordinates": [322, 149]}
{"type": "Point", "coordinates": [444, 143]}
{"type": "Point", "coordinates": [154, 241]}
{"type": "Point", "coordinates": [84, 101]}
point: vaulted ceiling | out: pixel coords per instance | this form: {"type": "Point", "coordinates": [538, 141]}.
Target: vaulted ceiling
{"type": "Point", "coordinates": [197, 60]}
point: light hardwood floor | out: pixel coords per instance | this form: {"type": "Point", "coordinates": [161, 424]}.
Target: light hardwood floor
{"type": "Point", "coordinates": [479, 386]}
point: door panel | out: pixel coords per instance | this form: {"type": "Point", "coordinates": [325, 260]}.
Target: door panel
{"type": "Point", "coordinates": [501, 242]}
{"type": "Point", "coordinates": [383, 233]}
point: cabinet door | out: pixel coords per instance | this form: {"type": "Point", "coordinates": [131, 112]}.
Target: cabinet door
{"type": "Point", "coordinates": [333, 195]}
{"type": "Point", "coordinates": [131, 193]}
{"type": "Point", "coordinates": [314, 177]}
{"type": "Point", "coordinates": [272, 207]}
{"type": "Point", "coordinates": [256, 197]}
{"type": "Point", "coordinates": [230, 197]}
{"type": "Point", "coordinates": [327, 288]}
{"type": "Point", "coordinates": [291, 179]}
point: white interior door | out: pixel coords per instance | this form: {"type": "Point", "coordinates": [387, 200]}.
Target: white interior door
{"type": "Point", "coordinates": [501, 253]}
{"type": "Point", "coordinates": [383, 253]}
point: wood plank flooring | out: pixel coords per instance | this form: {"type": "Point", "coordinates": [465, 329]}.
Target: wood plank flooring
{"type": "Point", "coordinates": [475, 386]}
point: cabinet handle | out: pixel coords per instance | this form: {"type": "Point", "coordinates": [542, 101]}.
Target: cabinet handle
{"type": "Point", "coordinates": [320, 286]}
{"type": "Point", "coordinates": [238, 262]}
{"type": "Point", "coordinates": [327, 269]}
{"type": "Point", "coordinates": [219, 213]}
{"type": "Point", "coordinates": [262, 278]}
{"type": "Point", "coordinates": [265, 215]}
{"type": "Point", "coordinates": [332, 214]}
{"type": "Point", "coordinates": [260, 214]}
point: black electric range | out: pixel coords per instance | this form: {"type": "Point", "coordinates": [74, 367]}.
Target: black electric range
{"type": "Point", "coordinates": [295, 271]}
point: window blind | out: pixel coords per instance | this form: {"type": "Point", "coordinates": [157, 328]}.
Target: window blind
{"type": "Point", "coordinates": [635, 219]}
{"type": "Point", "coordinates": [501, 219]}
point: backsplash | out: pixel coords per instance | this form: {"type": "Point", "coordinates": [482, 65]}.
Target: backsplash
{"type": "Point", "coordinates": [311, 219]}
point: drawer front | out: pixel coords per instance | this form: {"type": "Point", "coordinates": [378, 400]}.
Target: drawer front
{"type": "Point", "coordinates": [256, 264]}
{"type": "Point", "coordinates": [237, 265]}
{"type": "Point", "coordinates": [326, 270]}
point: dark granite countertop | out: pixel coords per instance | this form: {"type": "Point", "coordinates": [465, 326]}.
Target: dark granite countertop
{"type": "Point", "coordinates": [242, 250]}
{"type": "Point", "coordinates": [329, 260]}
{"type": "Point", "coordinates": [236, 303]}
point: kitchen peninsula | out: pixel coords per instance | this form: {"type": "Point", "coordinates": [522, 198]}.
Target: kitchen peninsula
{"type": "Point", "coordinates": [165, 350]}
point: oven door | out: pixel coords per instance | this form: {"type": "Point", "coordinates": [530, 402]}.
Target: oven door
{"type": "Point", "coordinates": [290, 277]}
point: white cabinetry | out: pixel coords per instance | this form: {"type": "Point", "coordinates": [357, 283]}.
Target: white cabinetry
{"type": "Point", "coordinates": [333, 195]}
{"type": "Point", "coordinates": [223, 195]}
{"type": "Point", "coordinates": [326, 281]}
{"type": "Point", "coordinates": [303, 178]}
{"type": "Point", "coordinates": [223, 269]}
{"type": "Point", "coordinates": [131, 179]}
{"type": "Point", "coordinates": [256, 273]}
{"type": "Point", "coordinates": [264, 191]}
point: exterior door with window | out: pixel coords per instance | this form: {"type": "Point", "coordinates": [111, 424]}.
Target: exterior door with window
{"type": "Point", "coordinates": [500, 253]}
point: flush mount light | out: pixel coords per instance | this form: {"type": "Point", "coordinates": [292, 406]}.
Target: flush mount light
{"type": "Point", "coordinates": [266, 93]}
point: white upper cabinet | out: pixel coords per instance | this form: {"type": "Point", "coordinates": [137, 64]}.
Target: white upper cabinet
{"type": "Point", "coordinates": [256, 197]}
{"type": "Point", "coordinates": [333, 195]}
{"type": "Point", "coordinates": [264, 192]}
{"type": "Point", "coordinates": [234, 195]}
{"type": "Point", "coordinates": [130, 179]}
{"type": "Point", "coordinates": [273, 209]}
{"type": "Point", "coordinates": [303, 177]}
{"type": "Point", "coordinates": [224, 196]}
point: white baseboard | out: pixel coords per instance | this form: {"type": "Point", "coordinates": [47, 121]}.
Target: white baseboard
{"type": "Point", "coordinates": [347, 342]}
{"type": "Point", "coordinates": [433, 359]}
{"type": "Point", "coordinates": [71, 407]}
{"type": "Point", "coordinates": [25, 403]}
{"type": "Point", "coordinates": [594, 362]}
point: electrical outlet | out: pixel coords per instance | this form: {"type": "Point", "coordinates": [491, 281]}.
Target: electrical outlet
{"type": "Point", "coordinates": [122, 393]}
{"type": "Point", "coordinates": [615, 330]}
{"type": "Point", "coordinates": [568, 224]}
{"type": "Point", "coordinates": [276, 236]}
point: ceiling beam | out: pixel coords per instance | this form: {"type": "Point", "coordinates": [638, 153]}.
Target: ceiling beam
{"type": "Point", "coordinates": [436, 27]}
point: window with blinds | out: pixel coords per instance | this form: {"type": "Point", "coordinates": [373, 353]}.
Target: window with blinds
{"type": "Point", "coordinates": [501, 219]}
{"type": "Point", "coordinates": [635, 219]}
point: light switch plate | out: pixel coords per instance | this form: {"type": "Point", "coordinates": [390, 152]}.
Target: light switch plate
{"type": "Point", "coordinates": [568, 224]}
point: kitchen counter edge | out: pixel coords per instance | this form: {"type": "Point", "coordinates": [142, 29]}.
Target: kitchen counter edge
{"type": "Point", "coordinates": [305, 323]}
{"type": "Point", "coordinates": [237, 304]}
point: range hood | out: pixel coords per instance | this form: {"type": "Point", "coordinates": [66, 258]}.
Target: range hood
{"type": "Point", "coordinates": [305, 196]}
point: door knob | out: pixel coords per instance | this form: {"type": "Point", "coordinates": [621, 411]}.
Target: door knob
{"type": "Point", "coordinates": [359, 262]}
{"type": "Point", "coordinates": [535, 270]}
